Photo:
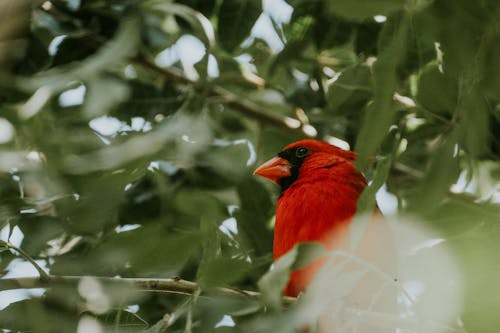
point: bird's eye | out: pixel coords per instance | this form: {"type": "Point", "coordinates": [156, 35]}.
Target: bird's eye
{"type": "Point", "coordinates": [301, 152]}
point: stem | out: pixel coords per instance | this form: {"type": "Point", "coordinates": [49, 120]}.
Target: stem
{"type": "Point", "coordinates": [41, 272]}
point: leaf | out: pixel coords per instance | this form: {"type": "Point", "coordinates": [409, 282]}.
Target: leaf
{"type": "Point", "coordinates": [42, 317]}
{"type": "Point", "coordinates": [198, 203]}
{"type": "Point", "coordinates": [353, 83]}
{"type": "Point", "coordinates": [491, 68]}
{"type": "Point", "coordinates": [358, 10]}
{"type": "Point", "coordinates": [366, 202]}
{"type": "Point", "coordinates": [222, 272]}
{"type": "Point", "coordinates": [38, 231]}
{"type": "Point", "coordinates": [200, 24]}
{"type": "Point", "coordinates": [442, 171]}
{"type": "Point", "coordinates": [236, 19]}
{"type": "Point", "coordinates": [253, 215]}
{"type": "Point", "coordinates": [474, 122]}
{"type": "Point", "coordinates": [103, 94]}
{"type": "Point", "coordinates": [147, 251]}
{"type": "Point", "coordinates": [377, 120]}
{"type": "Point", "coordinates": [124, 45]}
{"type": "Point", "coordinates": [437, 91]}
{"type": "Point", "coordinates": [119, 318]}
{"type": "Point", "coordinates": [273, 282]}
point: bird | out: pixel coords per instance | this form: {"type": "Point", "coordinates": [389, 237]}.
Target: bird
{"type": "Point", "coordinates": [320, 188]}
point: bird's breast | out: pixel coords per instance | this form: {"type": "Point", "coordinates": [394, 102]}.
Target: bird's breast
{"type": "Point", "coordinates": [313, 212]}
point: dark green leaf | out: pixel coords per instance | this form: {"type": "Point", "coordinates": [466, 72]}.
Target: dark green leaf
{"type": "Point", "coordinates": [378, 118]}
{"type": "Point", "coordinates": [360, 10]}
{"type": "Point", "coordinates": [222, 271]}
{"type": "Point", "coordinates": [253, 216]}
{"type": "Point", "coordinates": [437, 91]}
{"type": "Point", "coordinates": [236, 19]}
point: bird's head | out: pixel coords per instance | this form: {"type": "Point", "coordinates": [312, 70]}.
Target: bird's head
{"type": "Point", "coordinates": [302, 156]}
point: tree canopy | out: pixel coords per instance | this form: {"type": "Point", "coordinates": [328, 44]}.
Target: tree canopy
{"type": "Point", "coordinates": [129, 131]}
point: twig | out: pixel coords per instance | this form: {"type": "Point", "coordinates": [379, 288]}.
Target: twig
{"type": "Point", "coordinates": [175, 286]}
{"type": "Point", "coordinates": [43, 274]}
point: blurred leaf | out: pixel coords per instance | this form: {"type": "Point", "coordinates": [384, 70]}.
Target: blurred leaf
{"type": "Point", "coordinates": [206, 7]}
{"type": "Point", "coordinates": [236, 18]}
{"type": "Point", "coordinates": [103, 94]}
{"type": "Point", "coordinates": [231, 160]}
{"type": "Point", "coordinates": [35, 315]}
{"type": "Point", "coordinates": [222, 271]}
{"type": "Point", "coordinates": [474, 123]}
{"type": "Point", "coordinates": [38, 231]}
{"type": "Point", "coordinates": [392, 44]}
{"type": "Point", "coordinates": [274, 282]}
{"type": "Point", "coordinates": [125, 320]}
{"type": "Point", "coordinates": [199, 204]}
{"type": "Point", "coordinates": [199, 23]}
{"type": "Point", "coordinates": [147, 251]}
{"type": "Point", "coordinates": [353, 83]}
{"type": "Point", "coordinates": [441, 173]}
{"type": "Point", "coordinates": [366, 202]}
{"type": "Point", "coordinates": [437, 91]}
{"type": "Point", "coordinates": [491, 67]}
{"type": "Point", "coordinates": [254, 212]}
{"type": "Point", "coordinates": [360, 10]}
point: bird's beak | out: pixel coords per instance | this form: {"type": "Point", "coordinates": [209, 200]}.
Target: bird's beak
{"type": "Point", "coordinates": [274, 169]}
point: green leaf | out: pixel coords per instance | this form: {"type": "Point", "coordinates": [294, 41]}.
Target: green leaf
{"type": "Point", "coordinates": [103, 94]}
{"type": "Point", "coordinates": [442, 172]}
{"type": "Point", "coordinates": [151, 250]}
{"type": "Point", "coordinates": [236, 19]}
{"type": "Point", "coordinates": [222, 272]}
{"type": "Point", "coordinates": [378, 118]}
{"type": "Point", "coordinates": [354, 83]}
{"type": "Point", "coordinates": [253, 216]}
{"type": "Point", "coordinates": [366, 202]}
{"type": "Point", "coordinates": [35, 315]}
{"type": "Point", "coordinates": [274, 282]}
{"type": "Point", "coordinates": [119, 318]}
{"type": "Point", "coordinates": [437, 91]}
{"type": "Point", "coordinates": [199, 23]}
{"type": "Point", "coordinates": [491, 68]}
{"type": "Point", "coordinates": [473, 113]}
{"type": "Point", "coordinates": [358, 10]}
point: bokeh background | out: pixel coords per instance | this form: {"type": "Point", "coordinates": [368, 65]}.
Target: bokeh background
{"type": "Point", "coordinates": [129, 131]}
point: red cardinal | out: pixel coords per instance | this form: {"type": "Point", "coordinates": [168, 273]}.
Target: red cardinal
{"type": "Point", "coordinates": [320, 187]}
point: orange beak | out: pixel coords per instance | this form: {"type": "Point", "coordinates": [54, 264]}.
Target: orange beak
{"type": "Point", "coordinates": [274, 169]}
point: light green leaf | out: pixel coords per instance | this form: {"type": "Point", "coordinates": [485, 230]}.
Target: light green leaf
{"type": "Point", "coordinates": [103, 94]}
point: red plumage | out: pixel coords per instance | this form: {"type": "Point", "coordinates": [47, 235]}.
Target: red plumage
{"type": "Point", "coordinates": [319, 197]}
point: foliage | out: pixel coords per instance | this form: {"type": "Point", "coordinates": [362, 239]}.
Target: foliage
{"type": "Point", "coordinates": [124, 152]}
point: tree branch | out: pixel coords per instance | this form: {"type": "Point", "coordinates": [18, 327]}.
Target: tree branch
{"type": "Point", "coordinates": [43, 274]}
{"type": "Point", "coordinates": [174, 286]}
{"type": "Point", "coordinates": [236, 102]}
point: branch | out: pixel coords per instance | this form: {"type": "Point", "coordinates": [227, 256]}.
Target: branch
{"type": "Point", "coordinates": [174, 286]}
{"type": "Point", "coordinates": [236, 102]}
{"type": "Point", "coordinates": [179, 286]}
{"type": "Point", "coordinates": [43, 275]}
